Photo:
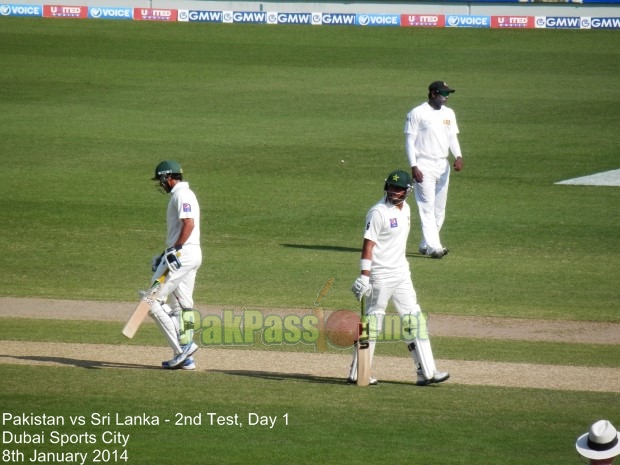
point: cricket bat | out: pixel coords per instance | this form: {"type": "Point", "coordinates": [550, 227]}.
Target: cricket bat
{"type": "Point", "coordinates": [137, 317]}
{"type": "Point", "coordinates": [363, 348]}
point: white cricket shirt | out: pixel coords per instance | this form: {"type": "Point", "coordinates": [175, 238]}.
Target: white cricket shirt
{"type": "Point", "coordinates": [388, 227]}
{"type": "Point", "coordinates": [182, 204]}
{"type": "Point", "coordinates": [431, 130]}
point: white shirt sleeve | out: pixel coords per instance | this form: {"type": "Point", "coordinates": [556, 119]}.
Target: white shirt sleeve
{"type": "Point", "coordinates": [410, 147]}
{"type": "Point", "coordinates": [374, 224]}
{"type": "Point", "coordinates": [411, 133]}
{"type": "Point", "coordinates": [455, 147]}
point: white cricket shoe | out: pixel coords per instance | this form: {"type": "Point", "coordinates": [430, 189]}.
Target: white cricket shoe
{"type": "Point", "coordinates": [371, 381]}
{"type": "Point", "coordinates": [438, 377]}
{"type": "Point", "coordinates": [188, 350]}
{"type": "Point", "coordinates": [439, 253]}
{"type": "Point", "coordinates": [188, 364]}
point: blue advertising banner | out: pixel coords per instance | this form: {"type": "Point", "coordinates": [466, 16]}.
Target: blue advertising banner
{"type": "Point", "coordinates": [21, 10]}
{"type": "Point", "coordinates": [378, 20]}
{"type": "Point", "coordinates": [110, 13]}
{"type": "Point", "coordinates": [468, 21]}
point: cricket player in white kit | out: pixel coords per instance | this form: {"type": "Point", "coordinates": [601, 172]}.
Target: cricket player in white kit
{"type": "Point", "coordinates": [385, 276]}
{"type": "Point", "coordinates": [173, 303]}
{"type": "Point", "coordinates": [430, 134]}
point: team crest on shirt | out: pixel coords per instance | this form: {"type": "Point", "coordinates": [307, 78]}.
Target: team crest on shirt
{"type": "Point", "coordinates": [393, 223]}
{"type": "Point", "coordinates": [187, 208]}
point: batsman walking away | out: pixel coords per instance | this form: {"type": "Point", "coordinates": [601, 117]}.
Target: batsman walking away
{"type": "Point", "coordinates": [385, 277]}
{"type": "Point", "coordinates": [172, 304]}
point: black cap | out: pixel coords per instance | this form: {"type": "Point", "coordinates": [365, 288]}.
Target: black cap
{"type": "Point", "coordinates": [440, 86]}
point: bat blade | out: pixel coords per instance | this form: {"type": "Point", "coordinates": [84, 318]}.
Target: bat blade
{"type": "Point", "coordinates": [363, 349]}
{"type": "Point", "coordinates": [135, 320]}
{"type": "Point", "coordinates": [137, 317]}
{"type": "Point", "coordinates": [363, 363]}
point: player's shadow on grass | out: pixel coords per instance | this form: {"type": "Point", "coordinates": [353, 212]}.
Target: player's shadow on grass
{"type": "Point", "coordinates": [275, 376]}
{"type": "Point", "coordinates": [90, 364]}
{"type": "Point", "coordinates": [417, 255]}
{"type": "Point", "coordinates": [326, 248]}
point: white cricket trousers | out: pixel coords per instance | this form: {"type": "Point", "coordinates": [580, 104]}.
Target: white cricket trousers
{"type": "Point", "coordinates": [431, 195]}
{"type": "Point", "coordinates": [180, 283]}
{"type": "Point", "coordinates": [397, 289]}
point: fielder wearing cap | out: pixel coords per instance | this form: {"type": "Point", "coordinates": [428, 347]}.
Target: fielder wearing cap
{"type": "Point", "coordinates": [430, 135]}
{"type": "Point", "coordinates": [601, 444]}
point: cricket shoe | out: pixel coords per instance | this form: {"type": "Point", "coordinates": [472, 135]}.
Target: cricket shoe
{"type": "Point", "coordinates": [188, 350]}
{"type": "Point", "coordinates": [438, 377]}
{"type": "Point", "coordinates": [371, 381]}
{"type": "Point", "coordinates": [423, 251]}
{"type": "Point", "coordinates": [188, 364]}
{"type": "Point", "coordinates": [439, 253]}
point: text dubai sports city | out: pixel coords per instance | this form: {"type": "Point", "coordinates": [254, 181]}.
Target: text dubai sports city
{"type": "Point", "coordinates": [251, 326]}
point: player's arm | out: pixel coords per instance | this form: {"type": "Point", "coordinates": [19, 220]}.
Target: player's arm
{"type": "Point", "coordinates": [455, 148]}
{"type": "Point", "coordinates": [187, 226]}
{"type": "Point", "coordinates": [171, 254]}
{"type": "Point", "coordinates": [411, 134]}
{"type": "Point", "coordinates": [361, 286]}
{"type": "Point", "coordinates": [367, 247]}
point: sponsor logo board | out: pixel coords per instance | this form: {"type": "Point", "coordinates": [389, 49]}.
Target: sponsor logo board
{"type": "Point", "coordinates": [154, 14]}
{"type": "Point", "coordinates": [512, 21]}
{"type": "Point", "coordinates": [200, 16]}
{"type": "Point", "coordinates": [65, 11]}
{"type": "Point", "coordinates": [110, 13]}
{"type": "Point", "coordinates": [377, 20]}
{"type": "Point", "coordinates": [21, 10]}
{"type": "Point", "coordinates": [468, 21]}
{"type": "Point", "coordinates": [423, 20]}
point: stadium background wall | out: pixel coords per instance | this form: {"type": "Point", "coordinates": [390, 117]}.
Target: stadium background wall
{"type": "Point", "coordinates": [594, 8]}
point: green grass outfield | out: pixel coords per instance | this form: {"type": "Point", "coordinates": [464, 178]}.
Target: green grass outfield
{"type": "Point", "coordinates": [261, 118]}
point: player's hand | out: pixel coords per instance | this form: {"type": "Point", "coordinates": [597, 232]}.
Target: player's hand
{"type": "Point", "coordinates": [155, 261]}
{"type": "Point", "coordinates": [458, 164]}
{"type": "Point", "coordinates": [361, 287]}
{"type": "Point", "coordinates": [417, 175]}
{"type": "Point", "coordinates": [171, 255]}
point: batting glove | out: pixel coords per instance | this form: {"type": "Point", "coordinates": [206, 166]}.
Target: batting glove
{"type": "Point", "coordinates": [361, 287]}
{"type": "Point", "coordinates": [171, 255]}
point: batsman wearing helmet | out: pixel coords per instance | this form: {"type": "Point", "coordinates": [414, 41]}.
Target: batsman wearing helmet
{"type": "Point", "coordinates": [172, 304]}
{"type": "Point", "coordinates": [385, 277]}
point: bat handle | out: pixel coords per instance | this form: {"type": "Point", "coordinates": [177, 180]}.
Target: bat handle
{"type": "Point", "coordinates": [363, 328]}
